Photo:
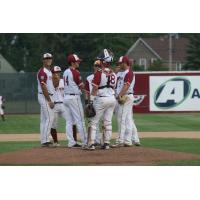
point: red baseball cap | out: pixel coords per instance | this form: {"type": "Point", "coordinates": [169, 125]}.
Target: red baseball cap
{"type": "Point", "coordinates": [124, 59]}
{"type": "Point", "coordinates": [73, 58]}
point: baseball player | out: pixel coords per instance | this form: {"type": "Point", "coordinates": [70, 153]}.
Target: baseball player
{"type": "Point", "coordinates": [125, 85]}
{"type": "Point", "coordinates": [88, 89]}
{"type": "Point", "coordinates": [2, 107]}
{"type": "Point", "coordinates": [45, 98]}
{"type": "Point", "coordinates": [73, 85]}
{"type": "Point", "coordinates": [59, 109]}
{"type": "Point", "coordinates": [102, 97]}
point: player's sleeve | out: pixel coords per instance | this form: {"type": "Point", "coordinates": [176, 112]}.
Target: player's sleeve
{"type": "Point", "coordinates": [128, 78]}
{"type": "Point", "coordinates": [87, 86]}
{"type": "Point", "coordinates": [42, 77]}
{"type": "Point", "coordinates": [77, 77]}
{"type": "Point", "coordinates": [97, 79]}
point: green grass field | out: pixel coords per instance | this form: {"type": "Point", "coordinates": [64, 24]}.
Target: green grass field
{"type": "Point", "coordinates": [144, 122]}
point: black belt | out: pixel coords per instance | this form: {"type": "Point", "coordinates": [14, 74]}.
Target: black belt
{"type": "Point", "coordinates": [72, 94]}
{"type": "Point", "coordinates": [58, 102]}
{"type": "Point", "coordinates": [130, 93]}
{"type": "Point", "coordinates": [48, 93]}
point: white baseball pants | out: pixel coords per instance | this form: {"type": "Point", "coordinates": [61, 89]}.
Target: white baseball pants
{"type": "Point", "coordinates": [46, 119]}
{"type": "Point", "coordinates": [104, 107]}
{"type": "Point", "coordinates": [125, 122]}
{"type": "Point", "coordinates": [74, 113]}
{"type": "Point", "coordinates": [1, 110]}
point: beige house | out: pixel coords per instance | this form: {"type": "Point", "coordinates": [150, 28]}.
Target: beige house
{"type": "Point", "coordinates": [147, 50]}
{"type": "Point", "coordinates": [5, 66]}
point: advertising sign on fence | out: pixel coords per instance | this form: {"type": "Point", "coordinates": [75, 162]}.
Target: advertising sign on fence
{"type": "Point", "coordinates": [174, 93]}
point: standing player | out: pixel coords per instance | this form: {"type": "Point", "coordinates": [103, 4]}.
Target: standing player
{"type": "Point", "coordinates": [125, 85]}
{"type": "Point", "coordinates": [59, 109]}
{"type": "Point", "coordinates": [73, 85]}
{"type": "Point", "coordinates": [45, 98]}
{"type": "Point", "coordinates": [103, 98]}
{"type": "Point", "coordinates": [88, 89]}
{"type": "Point", "coordinates": [2, 107]}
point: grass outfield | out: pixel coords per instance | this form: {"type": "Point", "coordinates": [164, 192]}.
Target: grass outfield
{"type": "Point", "coordinates": [144, 122]}
{"type": "Point", "coordinates": [179, 145]}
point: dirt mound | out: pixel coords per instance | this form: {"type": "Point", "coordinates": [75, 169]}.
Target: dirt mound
{"type": "Point", "coordinates": [117, 156]}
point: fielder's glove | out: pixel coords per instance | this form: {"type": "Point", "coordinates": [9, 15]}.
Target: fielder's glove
{"type": "Point", "coordinates": [89, 110]}
{"type": "Point", "coordinates": [122, 99]}
{"type": "Point", "coordinates": [3, 107]}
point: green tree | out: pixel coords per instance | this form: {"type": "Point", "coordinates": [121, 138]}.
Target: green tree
{"type": "Point", "coordinates": [193, 53]}
{"type": "Point", "coordinates": [157, 66]}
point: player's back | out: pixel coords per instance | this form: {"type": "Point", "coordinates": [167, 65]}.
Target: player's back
{"type": "Point", "coordinates": [107, 81]}
{"type": "Point", "coordinates": [71, 79]}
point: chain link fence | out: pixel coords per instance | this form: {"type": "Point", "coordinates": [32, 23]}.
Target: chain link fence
{"type": "Point", "coordinates": [20, 91]}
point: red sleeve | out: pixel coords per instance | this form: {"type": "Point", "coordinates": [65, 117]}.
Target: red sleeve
{"type": "Point", "coordinates": [97, 78]}
{"type": "Point", "coordinates": [87, 86]}
{"type": "Point", "coordinates": [42, 76]}
{"type": "Point", "coordinates": [128, 77]}
{"type": "Point", "coordinates": [77, 77]}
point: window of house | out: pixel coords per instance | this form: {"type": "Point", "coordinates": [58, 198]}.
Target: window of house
{"type": "Point", "coordinates": [143, 62]}
{"type": "Point", "coordinates": [178, 66]}
{"type": "Point", "coordinates": [2, 84]}
{"type": "Point", "coordinates": [153, 60]}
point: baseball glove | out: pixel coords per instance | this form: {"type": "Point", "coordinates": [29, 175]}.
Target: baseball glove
{"type": "Point", "coordinates": [3, 107]}
{"type": "Point", "coordinates": [122, 99]}
{"type": "Point", "coordinates": [89, 110]}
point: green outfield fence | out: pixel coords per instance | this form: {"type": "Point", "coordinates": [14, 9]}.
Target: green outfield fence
{"type": "Point", "coordinates": [20, 91]}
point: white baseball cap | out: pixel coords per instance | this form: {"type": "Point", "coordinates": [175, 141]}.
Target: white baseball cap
{"type": "Point", "coordinates": [47, 55]}
{"type": "Point", "coordinates": [56, 69]}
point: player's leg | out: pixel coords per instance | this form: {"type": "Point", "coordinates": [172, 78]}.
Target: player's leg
{"type": "Point", "coordinates": [76, 109]}
{"type": "Point", "coordinates": [99, 106]}
{"type": "Point", "coordinates": [128, 132]}
{"type": "Point", "coordinates": [67, 115]}
{"type": "Point", "coordinates": [107, 120]}
{"type": "Point", "coordinates": [121, 118]}
{"type": "Point", "coordinates": [2, 113]}
{"type": "Point", "coordinates": [135, 136]}
{"type": "Point", "coordinates": [54, 128]}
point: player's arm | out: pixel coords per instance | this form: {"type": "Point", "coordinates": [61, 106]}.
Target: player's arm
{"type": "Point", "coordinates": [87, 92]}
{"type": "Point", "coordinates": [95, 83]}
{"type": "Point", "coordinates": [43, 79]}
{"type": "Point", "coordinates": [127, 81]}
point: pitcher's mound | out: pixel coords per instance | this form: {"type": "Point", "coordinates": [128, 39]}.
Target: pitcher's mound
{"type": "Point", "coordinates": [117, 156]}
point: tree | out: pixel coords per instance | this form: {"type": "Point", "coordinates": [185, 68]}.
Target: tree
{"type": "Point", "coordinates": [193, 53]}
{"type": "Point", "coordinates": [157, 66]}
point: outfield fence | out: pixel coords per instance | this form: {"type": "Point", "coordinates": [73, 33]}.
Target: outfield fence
{"type": "Point", "coordinates": [20, 91]}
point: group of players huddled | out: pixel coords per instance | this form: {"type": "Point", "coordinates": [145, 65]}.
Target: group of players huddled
{"type": "Point", "coordinates": [108, 92]}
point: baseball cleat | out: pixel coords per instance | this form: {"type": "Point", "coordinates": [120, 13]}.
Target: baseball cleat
{"type": "Point", "coordinates": [56, 144]}
{"type": "Point", "coordinates": [91, 147]}
{"type": "Point", "coordinates": [128, 145]}
{"type": "Point", "coordinates": [137, 144]}
{"type": "Point", "coordinates": [106, 146]}
{"type": "Point", "coordinates": [47, 144]}
{"type": "Point", "coordinates": [117, 145]}
{"type": "Point", "coordinates": [76, 146]}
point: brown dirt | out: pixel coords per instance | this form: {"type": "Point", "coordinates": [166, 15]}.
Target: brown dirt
{"type": "Point", "coordinates": [117, 156]}
{"type": "Point", "coordinates": [62, 136]}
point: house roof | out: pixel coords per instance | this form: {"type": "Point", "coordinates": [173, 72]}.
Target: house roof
{"type": "Point", "coordinates": [160, 47]}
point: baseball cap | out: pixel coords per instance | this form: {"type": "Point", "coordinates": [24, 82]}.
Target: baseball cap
{"type": "Point", "coordinates": [124, 59]}
{"type": "Point", "coordinates": [47, 55]}
{"type": "Point", "coordinates": [56, 69]}
{"type": "Point", "coordinates": [73, 58]}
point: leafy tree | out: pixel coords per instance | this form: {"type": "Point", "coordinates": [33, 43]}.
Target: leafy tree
{"type": "Point", "coordinates": [193, 53]}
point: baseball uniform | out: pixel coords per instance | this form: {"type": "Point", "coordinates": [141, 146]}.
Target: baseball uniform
{"type": "Point", "coordinates": [44, 76]}
{"type": "Point", "coordinates": [2, 100]}
{"type": "Point", "coordinates": [124, 112]}
{"type": "Point", "coordinates": [73, 104]}
{"type": "Point", "coordinates": [104, 103]}
{"type": "Point", "coordinates": [88, 88]}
